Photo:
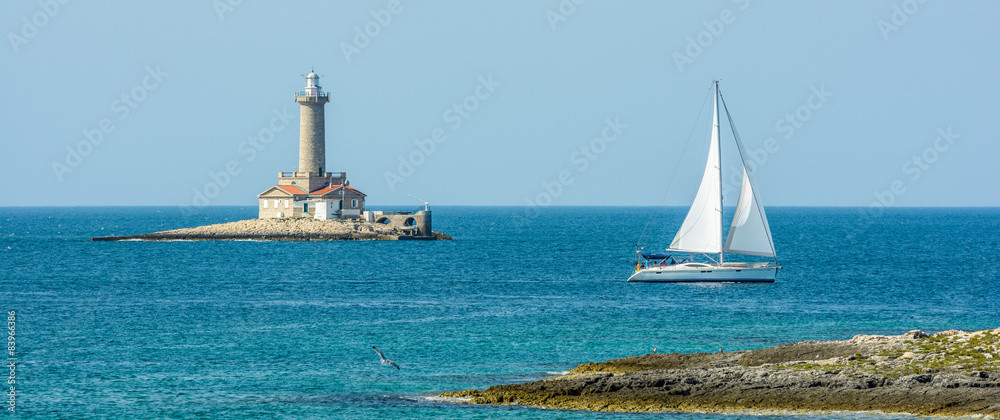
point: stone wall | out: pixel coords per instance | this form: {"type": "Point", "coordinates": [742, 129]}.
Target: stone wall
{"type": "Point", "coordinates": [294, 208]}
{"type": "Point", "coordinates": [415, 224]}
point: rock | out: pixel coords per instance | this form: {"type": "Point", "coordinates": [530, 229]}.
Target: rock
{"type": "Point", "coordinates": [949, 333]}
{"type": "Point", "coordinates": [915, 335]}
{"type": "Point", "coordinates": [866, 339]}
{"type": "Point", "coordinates": [806, 350]}
{"type": "Point", "coordinates": [297, 229]}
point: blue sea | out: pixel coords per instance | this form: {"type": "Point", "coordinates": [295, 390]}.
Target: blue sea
{"type": "Point", "coordinates": [285, 329]}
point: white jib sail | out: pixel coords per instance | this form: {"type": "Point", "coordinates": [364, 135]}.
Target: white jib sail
{"type": "Point", "coordinates": [702, 228]}
{"type": "Point", "coordinates": [749, 233]}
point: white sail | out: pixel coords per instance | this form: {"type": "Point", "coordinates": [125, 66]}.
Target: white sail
{"type": "Point", "coordinates": [702, 228]}
{"type": "Point", "coordinates": [749, 233]}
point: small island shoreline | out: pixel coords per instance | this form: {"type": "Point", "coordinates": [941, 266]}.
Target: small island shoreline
{"type": "Point", "coordinates": [284, 229]}
{"type": "Point", "coordinates": [951, 374]}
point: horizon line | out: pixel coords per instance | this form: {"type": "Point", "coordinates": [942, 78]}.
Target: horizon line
{"type": "Point", "coordinates": [496, 205]}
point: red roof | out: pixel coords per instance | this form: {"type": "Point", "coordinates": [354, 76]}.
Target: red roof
{"type": "Point", "coordinates": [330, 188]}
{"type": "Point", "coordinates": [290, 189]}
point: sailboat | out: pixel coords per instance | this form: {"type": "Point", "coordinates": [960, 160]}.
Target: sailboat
{"type": "Point", "coordinates": [701, 231]}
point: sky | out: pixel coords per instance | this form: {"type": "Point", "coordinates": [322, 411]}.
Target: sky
{"type": "Point", "coordinates": [525, 103]}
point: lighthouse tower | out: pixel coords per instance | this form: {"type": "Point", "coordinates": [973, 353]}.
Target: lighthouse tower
{"type": "Point", "coordinates": [312, 191]}
{"type": "Point", "coordinates": [312, 135]}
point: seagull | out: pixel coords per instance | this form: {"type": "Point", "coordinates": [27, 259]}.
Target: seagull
{"type": "Point", "coordinates": [384, 360]}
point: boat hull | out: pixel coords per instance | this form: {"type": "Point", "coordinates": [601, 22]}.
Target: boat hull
{"type": "Point", "coordinates": [710, 274]}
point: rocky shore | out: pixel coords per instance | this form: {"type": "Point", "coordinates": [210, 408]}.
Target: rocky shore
{"type": "Point", "coordinates": [298, 229]}
{"type": "Point", "coordinates": [952, 373]}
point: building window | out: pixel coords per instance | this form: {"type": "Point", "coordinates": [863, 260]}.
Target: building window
{"type": "Point", "coordinates": [276, 203]}
{"type": "Point", "coordinates": [286, 204]}
{"type": "Point", "coordinates": [264, 203]}
{"type": "Point", "coordinates": [354, 204]}
{"type": "Point", "coordinates": [305, 207]}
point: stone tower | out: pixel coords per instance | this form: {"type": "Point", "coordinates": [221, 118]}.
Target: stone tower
{"type": "Point", "coordinates": [312, 133]}
{"type": "Point", "coordinates": [312, 136]}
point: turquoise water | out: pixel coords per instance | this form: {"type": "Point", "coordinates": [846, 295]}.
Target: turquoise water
{"type": "Point", "coordinates": [285, 329]}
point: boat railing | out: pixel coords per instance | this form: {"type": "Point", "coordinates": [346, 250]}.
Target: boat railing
{"type": "Point", "coordinates": [735, 264]}
{"type": "Point", "coordinates": [312, 95]}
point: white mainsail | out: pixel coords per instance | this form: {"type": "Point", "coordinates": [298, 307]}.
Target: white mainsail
{"type": "Point", "coordinates": [749, 234]}
{"type": "Point", "coordinates": [702, 228]}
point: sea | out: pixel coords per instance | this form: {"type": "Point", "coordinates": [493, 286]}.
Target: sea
{"type": "Point", "coordinates": [247, 330]}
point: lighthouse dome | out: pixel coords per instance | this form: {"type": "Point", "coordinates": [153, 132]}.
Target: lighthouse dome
{"type": "Point", "coordinates": [312, 84]}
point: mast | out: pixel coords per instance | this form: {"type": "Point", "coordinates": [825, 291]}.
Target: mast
{"type": "Point", "coordinates": [718, 139]}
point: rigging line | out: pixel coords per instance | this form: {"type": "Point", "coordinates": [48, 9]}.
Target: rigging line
{"type": "Point", "coordinates": [756, 198]}
{"type": "Point", "coordinates": [671, 180]}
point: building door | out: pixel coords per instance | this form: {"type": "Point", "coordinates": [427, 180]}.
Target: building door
{"type": "Point", "coordinates": [305, 207]}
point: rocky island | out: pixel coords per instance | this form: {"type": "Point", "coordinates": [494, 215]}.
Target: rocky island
{"type": "Point", "coordinates": [310, 203]}
{"type": "Point", "coordinates": [284, 229]}
{"type": "Point", "coordinates": [952, 373]}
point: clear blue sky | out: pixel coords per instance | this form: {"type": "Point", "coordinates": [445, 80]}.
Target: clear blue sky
{"type": "Point", "coordinates": [200, 79]}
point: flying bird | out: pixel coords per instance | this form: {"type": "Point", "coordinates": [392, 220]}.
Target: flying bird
{"type": "Point", "coordinates": [384, 360]}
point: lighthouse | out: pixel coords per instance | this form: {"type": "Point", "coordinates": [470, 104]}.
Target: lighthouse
{"type": "Point", "coordinates": [310, 190]}
{"type": "Point", "coordinates": [312, 134]}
